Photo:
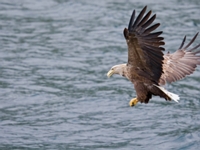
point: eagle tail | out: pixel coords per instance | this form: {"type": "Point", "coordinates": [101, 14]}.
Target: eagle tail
{"type": "Point", "coordinates": [172, 96]}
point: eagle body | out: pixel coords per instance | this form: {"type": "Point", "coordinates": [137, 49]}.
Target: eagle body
{"type": "Point", "coordinates": [148, 68]}
{"type": "Point", "coordinates": [144, 86]}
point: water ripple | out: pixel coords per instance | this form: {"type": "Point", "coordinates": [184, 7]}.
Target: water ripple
{"type": "Point", "coordinates": [54, 92]}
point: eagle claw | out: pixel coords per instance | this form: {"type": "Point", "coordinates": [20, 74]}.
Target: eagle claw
{"type": "Point", "coordinates": [133, 102]}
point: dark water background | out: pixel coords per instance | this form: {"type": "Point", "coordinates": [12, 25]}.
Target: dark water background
{"type": "Point", "coordinates": [54, 93]}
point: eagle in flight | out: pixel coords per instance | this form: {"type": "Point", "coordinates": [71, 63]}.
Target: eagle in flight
{"type": "Point", "coordinates": [147, 67]}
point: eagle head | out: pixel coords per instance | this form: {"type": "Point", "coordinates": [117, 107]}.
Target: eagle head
{"type": "Point", "coordinates": [117, 69]}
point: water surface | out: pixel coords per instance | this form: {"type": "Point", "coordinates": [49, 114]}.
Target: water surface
{"type": "Point", "coordinates": [54, 93]}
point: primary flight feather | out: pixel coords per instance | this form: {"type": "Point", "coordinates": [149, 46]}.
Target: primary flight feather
{"type": "Point", "coordinates": [147, 67]}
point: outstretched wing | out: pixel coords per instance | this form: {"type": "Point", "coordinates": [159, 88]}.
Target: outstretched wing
{"type": "Point", "coordinates": [180, 63]}
{"type": "Point", "coordinates": [144, 51]}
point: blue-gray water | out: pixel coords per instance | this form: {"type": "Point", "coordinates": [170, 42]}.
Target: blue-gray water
{"type": "Point", "coordinates": [54, 93]}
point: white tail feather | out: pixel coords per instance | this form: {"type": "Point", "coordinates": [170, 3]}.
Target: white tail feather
{"type": "Point", "coordinates": [173, 96]}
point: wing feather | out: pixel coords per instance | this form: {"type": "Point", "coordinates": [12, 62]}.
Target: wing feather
{"type": "Point", "coordinates": [182, 43]}
{"type": "Point", "coordinates": [149, 22]}
{"type": "Point", "coordinates": [152, 28]}
{"type": "Point", "coordinates": [139, 17]}
{"type": "Point", "coordinates": [131, 20]}
{"type": "Point", "coordinates": [146, 17]}
{"type": "Point", "coordinates": [193, 39]}
{"type": "Point", "coordinates": [181, 63]}
{"type": "Point", "coordinates": [144, 51]}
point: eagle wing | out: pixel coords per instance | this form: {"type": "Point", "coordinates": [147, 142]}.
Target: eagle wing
{"type": "Point", "coordinates": [145, 55]}
{"type": "Point", "coordinates": [180, 63]}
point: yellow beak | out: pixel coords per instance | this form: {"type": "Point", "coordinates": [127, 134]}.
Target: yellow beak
{"type": "Point", "coordinates": [110, 73]}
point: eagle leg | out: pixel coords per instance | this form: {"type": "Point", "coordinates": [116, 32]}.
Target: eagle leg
{"type": "Point", "coordinates": [133, 102]}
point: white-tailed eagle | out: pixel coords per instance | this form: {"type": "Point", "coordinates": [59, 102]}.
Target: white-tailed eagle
{"type": "Point", "coordinates": [147, 67]}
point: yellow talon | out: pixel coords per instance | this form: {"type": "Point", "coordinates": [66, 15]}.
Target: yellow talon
{"type": "Point", "coordinates": [133, 102]}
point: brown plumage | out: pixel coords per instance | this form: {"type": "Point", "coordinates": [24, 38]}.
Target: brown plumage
{"type": "Point", "coordinates": [147, 67]}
